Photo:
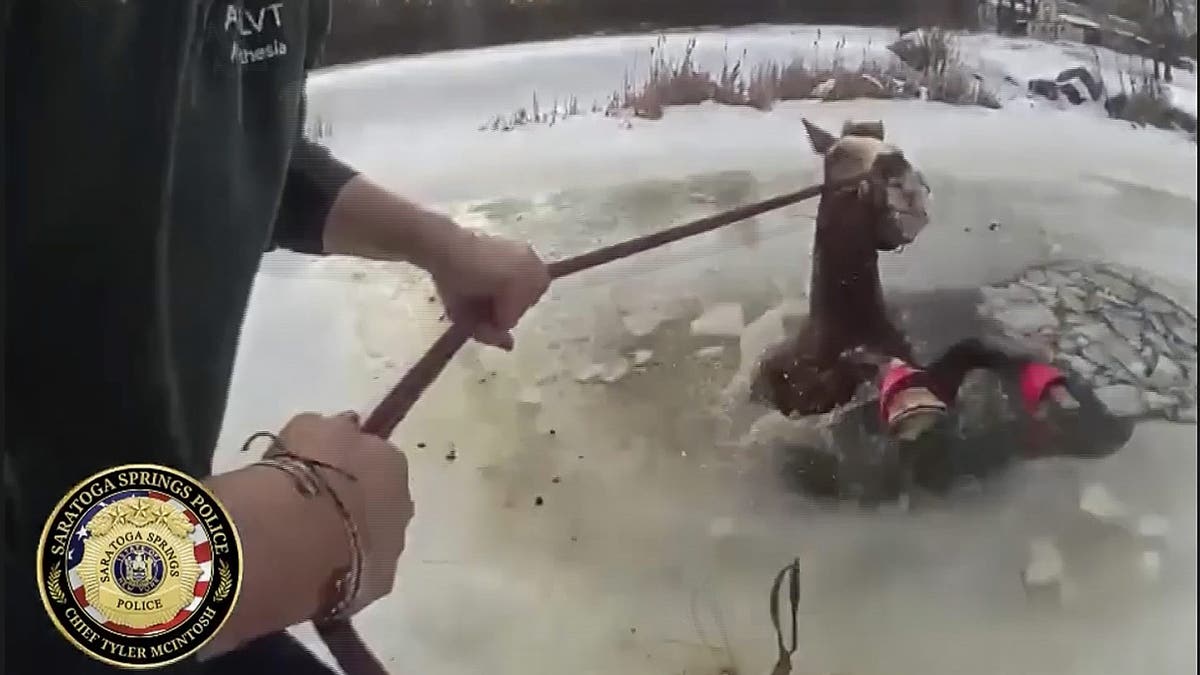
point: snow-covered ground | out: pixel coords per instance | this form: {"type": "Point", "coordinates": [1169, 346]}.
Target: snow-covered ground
{"type": "Point", "coordinates": [653, 550]}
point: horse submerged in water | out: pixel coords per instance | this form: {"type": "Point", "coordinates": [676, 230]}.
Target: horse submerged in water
{"type": "Point", "coordinates": [850, 339]}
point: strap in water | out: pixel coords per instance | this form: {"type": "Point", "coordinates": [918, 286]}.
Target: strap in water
{"type": "Point", "coordinates": [783, 666]}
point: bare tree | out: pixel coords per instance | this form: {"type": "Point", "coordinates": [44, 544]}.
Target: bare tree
{"type": "Point", "coordinates": [1158, 23]}
{"type": "Point", "coordinates": [1169, 38]}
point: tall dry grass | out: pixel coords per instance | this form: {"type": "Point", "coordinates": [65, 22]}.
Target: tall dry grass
{"type": "Point", "coordinates": [671, 81]}
{"type": "Point", "coordinates": [1144, 101]}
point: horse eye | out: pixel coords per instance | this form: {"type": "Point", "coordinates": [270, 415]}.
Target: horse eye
{"type": "Point", "coordinates": [892, 165]}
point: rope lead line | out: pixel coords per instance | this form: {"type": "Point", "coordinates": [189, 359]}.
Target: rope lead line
{"type": "Point", "coordinates": [783, 665]}
{"type": "Point", "coordinates": [344, 642]}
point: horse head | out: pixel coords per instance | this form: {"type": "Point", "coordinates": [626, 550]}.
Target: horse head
{"type": "Point", "coordinates": [893, 190]}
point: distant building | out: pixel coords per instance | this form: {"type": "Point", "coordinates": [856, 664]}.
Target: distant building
{"type": "Point", "coordinates": [1045, 23]}
{"type": "Point", "coordinates": [1054, 20]}
{"type": "Point", "coordinates": [1003, 16]}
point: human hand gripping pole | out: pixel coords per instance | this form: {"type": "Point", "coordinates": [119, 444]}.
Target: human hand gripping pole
{"type": "Point", "coordinates": [343, 641]}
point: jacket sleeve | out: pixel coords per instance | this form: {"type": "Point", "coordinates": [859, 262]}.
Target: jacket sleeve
{"type": "Point", "coordinates": [314, 179]}
{"type": "Point", "coordinates": [314, 175]}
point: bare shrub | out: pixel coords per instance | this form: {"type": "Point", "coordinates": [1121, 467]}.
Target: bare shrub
{"type": "Point", "coordinates": [729, 89]}
{"type": "Point", "coordinates": [848, 86]}
{"type": "Point", "coordinates": [944, 75]}
{"type": "Point", "coordinates": [1150, 105]}
{"type": "Point", "coordinates": [319, 129]}
{"type": "Point", "coordinates": [958, 87]}
{"type": "Point", "coordinates": [793, 81]}
{"type": "Point", "coordinates": [674, 82]}
{"type": "Point", "coordinates": [764, 87]}
{"type": "Point", "coordinates": [940, 48]}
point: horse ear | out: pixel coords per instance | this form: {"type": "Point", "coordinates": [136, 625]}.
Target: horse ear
{"type": "Point", "coordinates": [820, 139]}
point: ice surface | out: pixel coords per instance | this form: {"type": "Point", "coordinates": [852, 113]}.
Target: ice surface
{"type": "Point", "coordinates": [1099, 502]}
{"type": "Point", "coordinates": [1153, 525]}
{"type": "Point", "coordinates": [625, 541]}
{"type": "Point", "coordinates": [1045, 565]}
{"type": "Point", "coordinates": [724, 320]}
{"type": "Point", "coordinates": [1122, 400]}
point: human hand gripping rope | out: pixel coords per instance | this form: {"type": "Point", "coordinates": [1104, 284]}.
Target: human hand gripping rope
{"type": "Point", "coordinates": [335, 630]}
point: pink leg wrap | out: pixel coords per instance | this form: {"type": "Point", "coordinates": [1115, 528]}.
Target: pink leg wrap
{"type": "Point", "coordinates": [1036, 379]}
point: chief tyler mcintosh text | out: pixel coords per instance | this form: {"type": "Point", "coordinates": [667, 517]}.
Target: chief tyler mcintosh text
{"type": "Point", "coordinates": [137, 653]}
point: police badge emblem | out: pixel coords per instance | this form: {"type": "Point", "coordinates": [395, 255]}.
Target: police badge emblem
{"type": "Point", "coordinates": [139, 566]}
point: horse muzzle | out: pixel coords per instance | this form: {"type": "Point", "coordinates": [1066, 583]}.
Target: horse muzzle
{"type": "Point", "coordinates": [902, 229]}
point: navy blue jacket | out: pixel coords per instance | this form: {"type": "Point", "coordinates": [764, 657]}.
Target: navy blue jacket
{"type": "Point", "coordinates": [153, 150]}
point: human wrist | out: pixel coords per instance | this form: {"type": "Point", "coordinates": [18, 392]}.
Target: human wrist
{"type": "Point", "coordinates": [292, 546]}
{"type": "Point", "coordinates": [434, 240]}
{"type": "Point", "coordinates": [311, 480]}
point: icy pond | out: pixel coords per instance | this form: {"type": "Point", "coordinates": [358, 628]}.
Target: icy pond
{"type": "Point", "coordinates": [653, 546]}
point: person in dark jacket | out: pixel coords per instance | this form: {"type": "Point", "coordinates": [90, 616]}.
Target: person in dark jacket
{"type": "Point", "coordinates": [153, 150]}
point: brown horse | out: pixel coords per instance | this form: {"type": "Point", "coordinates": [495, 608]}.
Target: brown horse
{"type": "Point", "coordinates": [848, 337]}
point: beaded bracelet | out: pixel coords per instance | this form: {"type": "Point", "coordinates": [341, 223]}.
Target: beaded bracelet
{"type": "Point", "coordinates": [344, 586]}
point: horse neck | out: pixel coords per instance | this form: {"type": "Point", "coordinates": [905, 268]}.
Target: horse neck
{"type": "Point", "coordinates": [845, 288]}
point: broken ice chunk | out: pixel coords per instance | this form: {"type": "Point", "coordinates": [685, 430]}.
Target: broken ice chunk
{"type": "Point", "coordinates": [1151, 565]}
{"type": "Point", "coordinates": [614, 370]}
{"type": "Point", "coordinates": [1035, 276]}
{"type": "Point", "coordinates": [722, 320]}
{"type": "Point", "coordinates": [1045, 566]}
{"type": "Point", "coordinates": [1073, 302]}
{"type": "Point", "coordinates": [1100, 503]}
{"type": "Point", "coordinates": [642, 356]}
{"type": "Point", "coordinates": [1153, 526]}
{"type": "Point", "coordinates": [590, 372]}
{"type": "Point", "coordinates": [1003, 296]}
{"type": "Point", "coordinates": [1096, 332]}
{"type": "Point", "coordinates": [1182, 331]}
{"type": "Point", "coordinates": [1095, 354]}
{"type": "Point", "coordinates": [1122, 400]}
{"type": "Point", "coordinates": [711, 352]}
{"type": "Point", "coordinates": [1026, 318]}
{"type": "Point", "coordinates": [761, 333]}
{"type": "Point", "coordinates": [1157, 341]}
{"type": "Point", "coordinates": [641, 324]}
{"type": "Point", "coordinates": [1117, 287]}
{"type": "Point", "coordinates": [1124, 354]}
{"type": "Point", "coordinates": [1159, 402]}
{"type": "Point", "coordinates": [1185, 414]}
{"type": "Point", "coordinates": [1166, 373]}
{"type": "Point", "coordinates": [1080, 365]}
{"type": "Point", "coordinates": [1156, 303]}
{"type": "Point", "coordinates": [1126, 327]}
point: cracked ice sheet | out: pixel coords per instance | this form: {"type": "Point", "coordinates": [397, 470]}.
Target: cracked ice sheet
{"type": "Point", "coordinates": [491, 583]}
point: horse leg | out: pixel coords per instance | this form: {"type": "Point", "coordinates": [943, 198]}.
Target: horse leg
{"type": "Point", "coordinates": [1042, 386]}
{"type": "Point", "coordinates": [1061, 414]}
{"type": "Point", "coordinates": [911, 411]}
{"type": "Point", "coordinates": [908, 403]}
